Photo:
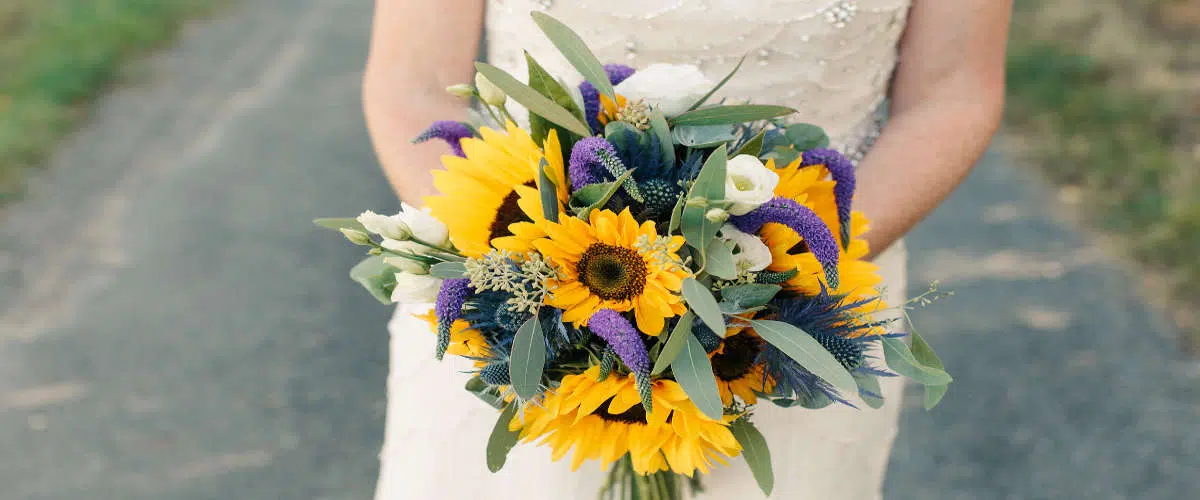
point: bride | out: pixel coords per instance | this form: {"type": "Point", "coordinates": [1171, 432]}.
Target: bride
{"type": "Point", "coordinates": [938, 65]}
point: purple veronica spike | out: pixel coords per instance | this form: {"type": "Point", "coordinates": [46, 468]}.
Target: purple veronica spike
{"type": "Point", "coordinates": [804, 222]}
{"type": "Point", "coordinates": [617, 73]}
{"type": "Point", "coordinates": [450, 131]}
{"type": "Point", "coordinates": [586, 166]}
{"type": "Point", "coordinates": [625, 340]}
{"type": "Point", "coordinates": [843, 175]}
{"type": "Point", "coordinates": [448, 308]}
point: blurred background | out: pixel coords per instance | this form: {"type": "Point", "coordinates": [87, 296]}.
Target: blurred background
{"type": "Point", "coordinates": [173, 327]}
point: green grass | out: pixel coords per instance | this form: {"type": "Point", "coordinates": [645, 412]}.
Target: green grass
{"type": "Point", "coordinates": [56, 55]}
{"type": "Point", "coordinates": [1127, 150]}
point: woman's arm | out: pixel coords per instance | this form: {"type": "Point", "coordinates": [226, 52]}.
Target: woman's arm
{"type": "Point", "coordinates": [947, 100]}
{"type": "Point", "coordinates": [418, 48]}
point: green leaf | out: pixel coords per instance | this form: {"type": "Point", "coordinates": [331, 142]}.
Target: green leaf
{"type": "Point", "coordinates": [718, 260]}
{"type": "Point", "coordinates": [658, 125]}
{"type": "Point", "coordinates": [703, 136]}
{"type": "Point", "coordinates": [750, 295]}
{"type": "Point", "coordinates": [576, 52]}
{"type": "Point", "coordinates": [701, 302]}
{"type": "Point", "coordinates": [869, 390]}
{"type": "Point", "coordinates": [541, 81]}
{"type": "Point", "coordinates": [783, 155]}
{"type": "Point", "coordinates": [752, 147]}
{"type": "Point", "coordinates": [934, 395]}
{"type": "Point", "coordinates": [676, 215]}
{"type": "Point", "coordinates": [549, 193]}
{"type": "Point", "coordinates": [731, 114]}
{"type": "Point", "coordinates": [339, 223]}
{"type": "Point", "coordinates": [596, 195]}
{"type": "Point", "coordinates": [901, 360]}
{"type": "Point", "coordinates": [448, 270]}
{"type": "Point", "coordinates": [502, 440]}
{"type": "Point", "coordinates": [487, 393]}
{"type": "Point", "coordinates": [533, 100]}
{"type": "Point", "coordinates": [719, 84]}
{"type": "Point", "coordinates": [527, 359]}
{"type": "Point", "coordinates": [694, 373]}
{"type": "Point", "coordinates": [377, 276]}
{"type": "Point", "coordinates": [806, 136]}
{"type": "Point", "coordinates": [925, 355]}
{"type": "Point", "coordinates": [756, 453]}
{"type": "Point", "coordinates": [710, 185]}
{"type": "Point", "coordinates": [805, 350]}
{"type": "Point", "coordinates": [675, 343]}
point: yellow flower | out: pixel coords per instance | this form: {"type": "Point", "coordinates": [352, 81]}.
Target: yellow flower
{"type": "Point", "coordinates": [464, 340]}
{"type": "Point", "coordinates": [612, 262]}
{"type": "Point", "coordinates": [810, 187]}
{"type": "Point", "coordinates": [480, 192]}
{"type": "Point", "coordinates": [736, 370]}
{"type": "Point", "coordinates": [605, 420]}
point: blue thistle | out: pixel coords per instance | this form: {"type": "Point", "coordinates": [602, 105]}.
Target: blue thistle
{"type": "Point", "coordinates": [495, 373]}
{"type": "Point", "coordinates": [450, 131]}
{"type": "Point", "coordinates": [617, 73]}
{"type": "Point", "coordinates": [660, 195]}
{"type": "Point", "coordinates": [842, 171]}
{"type": "Point", "coordinates": [708, 338]}
{"type": "Point", "coordinates": [804, 222]}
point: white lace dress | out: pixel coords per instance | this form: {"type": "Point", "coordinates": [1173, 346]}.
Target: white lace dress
{"type": "Point", "coordinates": [832, 60]}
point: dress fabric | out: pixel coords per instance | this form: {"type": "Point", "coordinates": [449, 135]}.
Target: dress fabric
{"type": "Point", "coordinates": [832, 61]}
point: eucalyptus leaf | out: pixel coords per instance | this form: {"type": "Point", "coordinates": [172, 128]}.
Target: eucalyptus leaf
{"type": "Point", "coordinates": [694, 373]}
{"type": "Point", "coordinates": [605, 194]}
{"type": "Point", "coordinates": [675, 343]}
{"type": "Point", "coordinates": [676, 215]}
{"type": "Point", "coordinates": [752, 147]}
{"type": "Point", "coordinates": [588, 195]}
{"type": "Point", "coordinates": [339, 223]}
{"type": "Point", "coordinates": [502, 440]}
{"type": "Point", "coordinates": [719, 84]}
{"type": "Point", "coordinates": [934, 395]}
{"type": "Point", "coordinates": [868, 389]}
{"type": "Point", "coordinates": [806, 136]}
{"type": "Point", "coordinates": [703, 136]}
{"type": "Point", "coordinates": [576, 52]}
{"type": "Point", "coordinates": [805, 350]}
{"type": "Point", "coordinates": [783, 155]}
{"type": "Point", "coordinates": [731, 114]}
{"type": "Point", "coordinates": [541, 81]}
{"type": "Point", "coordinates": [701, 302]}
{"type": "Point", "coordinates": [901, 360]}
{"type": "Point", "coordinates": [756, 453]}
{"type": "Point", "coordinates": [448, 270]}
{"type": "Point", "coordinates": [533, 100]}
{"type": "Point", "coordinates": [718, 260]}
{"type": "Point", "coordinates": [925, 355]}
{"type": "Point", "coordinates": [528, 358]}
{"type": "Point", "coordinates": [548, 192]}
{"type": "Point", "coordinates": [750, 294]}
{"type": "Point", "coordinates": [709, 185]}
{"type": "Point", "coordinates": [484, 392]}
{"type": "Point", "coordinates": [377, 276]}
{"type": "Point", "coordinates": [815, 401]}
{"type": "Point", "coordinates": [660, 128]}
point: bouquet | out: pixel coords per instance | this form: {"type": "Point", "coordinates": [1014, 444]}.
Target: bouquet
{"type": "Point", "coordinates": [637, 269]}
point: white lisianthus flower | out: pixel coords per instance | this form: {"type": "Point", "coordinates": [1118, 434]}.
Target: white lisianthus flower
{"type": "Point", "coordinates": [424, 226]}
{"type": "Point", "coordinates": [672, 88]}
{"type": "Point", "coordinates": [750, 253]}
{"type": "Point", "coordinates": [488, 91]}
{"type": "Point", "coordinates": [415, 288]}
{"type": "Point", "coordinates": [388, 226]}
{"type": "Point", "coordinates": [403, 263]}
{"type": "Point", "coordinates": [748, 184]}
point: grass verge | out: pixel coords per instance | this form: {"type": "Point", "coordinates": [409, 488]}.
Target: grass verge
{"type": "Point", "coordinates": [56, 55]}
{"type": "Point", "coordinates": [1103, 98]}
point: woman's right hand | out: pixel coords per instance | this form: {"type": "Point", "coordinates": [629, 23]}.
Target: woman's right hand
{"type": "Point", "coordinates": [418, 48]}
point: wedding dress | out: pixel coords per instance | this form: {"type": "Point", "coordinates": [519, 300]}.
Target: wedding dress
{"type": "Point", "coordinates": [831, 60]}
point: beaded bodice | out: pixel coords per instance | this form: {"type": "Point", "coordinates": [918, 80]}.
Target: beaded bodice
{"type": "Point", "coordinates": [830, 59]}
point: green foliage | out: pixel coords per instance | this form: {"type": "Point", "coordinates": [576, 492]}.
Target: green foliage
{"type": "Point", "coordinates": [675, 343]}
{"type": "Point", "coordinates": [539, 127]}
{"type": "Point", "coordinates": [502, 440]}
{"type": "Point", "coordinates": [528, 359]}
{"type": "Point", "coordinates": [533, 100]}
{"type": "Point", "coordinates": [694, 373]}
{"type": "Point", "coordinates": [718, 260]}
{"type": "Point", "coordinates": [755, 452]}
{"type": "Point", "coordinates": [377, 276]}
{"type": "Point", "coordinates": [731, 114]}
{"type": "Point", "coordinates": [749, 295]}
{"type": "Point", "coordinates": [548, 192]}
{"type": "Point", "coordinates": [576, 52]}
{"type": "Point", "coordinates": [701, 302]}
{"type": "Point", "coordinates": [709, 187]}
{"type": "Point", "coordinates": [805, 350]}
{"type": "Point", "coordinates": [56, 55]}
{"type": "Point", "coordinates": [900, 359]}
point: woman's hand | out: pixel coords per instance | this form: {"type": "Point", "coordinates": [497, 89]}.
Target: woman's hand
{"type": "Point", "coordinates": [947, 100]}
{"type": "Point", "coordinates": [418, 48]}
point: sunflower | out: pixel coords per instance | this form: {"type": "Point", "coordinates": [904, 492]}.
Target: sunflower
{"type": "Point", "coordinates": [604, 420]}
{"type": "Point", "coordinates": [480, 191]}
{"type": "Point", "coordinates": [464, 340]}
{"type": "Point", "coordinates": [810, 187]}
{"type": "Point", "coordinates": [736, 368]}
{"type": "Point", "coordinates": [612, 262]}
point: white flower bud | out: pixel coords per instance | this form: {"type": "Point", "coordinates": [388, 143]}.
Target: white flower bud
{"type": "Point", "coordinates": [716, 215]}
{"type": "Point", "coordinates": [748, 184]}
{"type": "Point", "coordinates": [355, 236]}
{"type": "Point", "coordinates": [407, 265]}
{"type": "Point", "coordinates": [750, 253]}
{"type": "Point", "coordinates": [388, 226]}
{"type": "Point", "coordinates": [461, 90]}
{"type": "Point", "coordinates": [415, 288]}
{"type": "Point", "coordinates": [488, 91]}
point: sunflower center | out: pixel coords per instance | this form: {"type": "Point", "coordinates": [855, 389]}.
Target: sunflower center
{"type": "Point", "coordinates": [508, 214]}
{"type": "Point", "coordinates": [737, 357]}
{"type": "Point", "coordinates": [636, 414]}
{"type": "Point", "coordinates": [612, 272]}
